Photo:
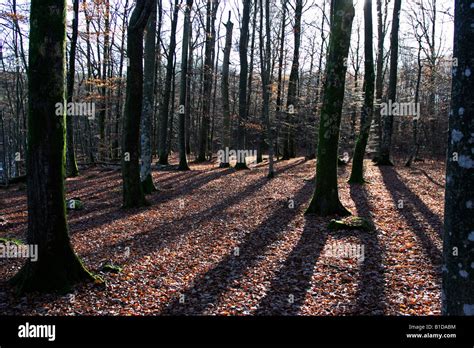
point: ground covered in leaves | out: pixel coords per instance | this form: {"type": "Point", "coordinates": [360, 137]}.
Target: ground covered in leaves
{"type": "Point", "coordinates": [220, 242]}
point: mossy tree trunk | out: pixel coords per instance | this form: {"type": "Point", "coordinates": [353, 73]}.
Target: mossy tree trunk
{"type": "Point", "coordinates": [458, 273]}
{"type": "Point", "coordinates": [326, 197]}
{"type": "Point", "coordinates": [383, 158]}
{"type": "Point", "coordinates": [148, 103]}
{"type": "Point", "coordinates": [165, 104]}
{"type": "Point", "coordinates": [183, 100]}
{"type": "Point", "coordinates": [57, 267]}
{"type": "Point", "coordinates": [71, 163]}
{"type": "Point", "coordinates": [225, 89]}
{"type": "Point", "coordinates": [133, 195]}
{"type": "Point", "coordinates": [244, 71]}
{"type": "Point", "coordinates": [357, 173]}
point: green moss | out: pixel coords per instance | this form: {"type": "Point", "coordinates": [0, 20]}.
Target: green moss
{"type": "Point", "coordinates": [11, 241]}
{"type": "Point", "coordinates": [111, 268]}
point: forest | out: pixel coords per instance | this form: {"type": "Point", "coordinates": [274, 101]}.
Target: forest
{"type": "Point", "coordinates": [236, 157]}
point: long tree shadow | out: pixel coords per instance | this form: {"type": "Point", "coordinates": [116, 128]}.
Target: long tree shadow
{"type": "Point", "coordinates": [112, 212]}
{"type": "Point", "coordinates": [400, 192]}
{"type": "Point", "coordinates": [395, 184]}
{"type": "Point", "coordinates": [288, 288]}
{"type": "Point", "coordinates": [209, 287]}
{"type": "Point", "coordinates": [163, 234]}
{"type": "Point", "coordinates": [371, 287]}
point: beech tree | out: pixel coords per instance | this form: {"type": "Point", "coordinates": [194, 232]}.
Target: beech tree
{"type": "Point", "coordinates": [357, 173]}
{"type": "Point", "coordinates": [225, 89]}
{"type": "Point", "coordinates": [326, 197]}
{"type": "Point", "coordinates": [148, 103]}
{"type": "Point", "coordinates": [384, 156]}
{"type": "Point", "coordinates": [71, 163]}
{"type": "Point", "coordinates": [133, 195]}
{"type": "Point", "coordinates": [244, 71]}
{"type": "Point", "coordinates": [57, 267]}
{"type": "Point", "coordinates": [458, 276]}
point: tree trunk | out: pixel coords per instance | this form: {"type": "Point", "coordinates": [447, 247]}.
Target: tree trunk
{"type": "Point", "coordinates": [384, 156]}
{"type": "Point", "coordinates": [458, 280]}
{"type": "Point", "coordinates": [183, 90]}
{"type": "Point", "coordinates": [133, 195]}
{"type": "Point", "coordinates": [71, 163]}
{"type": "Point", "coordinates": [225, 90]}
{"type": "Point", "coordinates": [148, 103]}
{"type": "Point", "coordinates": [165, 104]}
{"type": "Point", "coordinates": [244, 71]}
{"type": "Point", "coordinates": [326, 197]}
{"type": "Point", "coordinates": [357, 174]}
{"type": "Point", "coordinates": [57, 267]}
{"type": "Point", "coordinates": [292, 101]}
{"type": "Point", "coordinates": [265, 63]}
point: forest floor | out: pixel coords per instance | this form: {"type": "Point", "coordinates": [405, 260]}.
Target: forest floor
{"type": "Point", "coordinates": [221, 242]}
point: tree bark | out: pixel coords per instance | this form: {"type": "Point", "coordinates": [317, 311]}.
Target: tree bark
{"type": "Point", "coordinates": [357, 174]}
{"type": "Point", "coordinates": [458, 274]}
{"type": "Point", "coordinates": [165, 104]}
{"type": "Point", "coordinates": [133, 195]}
{"type": "Point", "coordinates": [71, 163]}
{"type": "Point", "coordinates": [384, 156]}
{"type": "Point", "coordinates": [326, 197]}
{"type": "Point", "coordinates": [57, 267]}
{"type": "Point", "coordinates": [244, 71]}
{"type": "Point", "coordinates": [148, 103]}
{"type": "Point", "coordinates": [225, 90]}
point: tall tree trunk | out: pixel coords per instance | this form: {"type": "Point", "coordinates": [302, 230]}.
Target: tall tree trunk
{"type": "Point", "coordinates": [57, 267]}
{"type": "Point", "coordinates": [292, 100]}
{"type": "Point", "coordinates": [71, 163]}
{"type": "Point", "coordinates": [183, 90]}
{"type": "Point", "coordinates": [357, 174]}
{"type": "Point", "coordinates": [225, 90]}
{"type": "Point", "coordinates": [326, 196]}
{"type": "Point", "coordinates": [211, 11]}
{"type": "Point", "coordinates": [265, 63]}
{"type": "Point", "coordinates": [148, 103]}
{"type": "Point", "coordinates": [384, 157]}
{"type": "Point", "coordinates": [105, 62]}
{"type": "Point", "coordinates": [244, 71]}
{"type": "Point", "coordinates": [133, 195]}
{"type": "Point", "coordinates": [279, 101]}
{"type": "Point", "coordinates": [458, 274]}
{"type": "Point", "coordinates": [165, 104]}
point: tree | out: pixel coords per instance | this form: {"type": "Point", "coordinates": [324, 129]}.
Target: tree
{"type": "Point", "coordinates": [183, 161]}
{"type": "Point", "coordinates": [133, 195]}
{"type": "Point", "coordinates": [244, 71]}
{"type": "Point", "coordinates": [384, 156]}
{"type": "Point", "coordinates": [225, 89]}
{"type": "Point", "coordinates": [458, 283]}
{"type": "Point", "coordinates": [165, 104]}
{"type": "Point", "coordinates": [265, 63]}
{"type": "Point", "coordinates": [357, 174]}
{"type": "Point", "coordinates": [292, 101]}
{"type": "Point", "coordinates": [148, 103]}
{"type": "Point", "coordinates": [326, 197]}
{"type": "Point", "coordinates": [71, 163]}
{"type": "Point", "coordinates": [212, 6]}
{"type": "Point", "coordinates": [57, 267]}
